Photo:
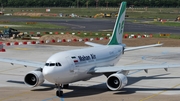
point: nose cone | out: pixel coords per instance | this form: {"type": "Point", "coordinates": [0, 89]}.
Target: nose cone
{"type": "Point", "coordinates": [49, 74]}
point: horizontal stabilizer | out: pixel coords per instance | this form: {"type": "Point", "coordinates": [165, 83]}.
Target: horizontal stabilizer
{"type": "Point", "coordinates": [93, 44]}
{"type": "Point", "coordinates": [142, 47]}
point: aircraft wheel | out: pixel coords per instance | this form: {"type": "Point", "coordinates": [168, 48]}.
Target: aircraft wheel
{"type": "Point", "coordinates": [59, 93]}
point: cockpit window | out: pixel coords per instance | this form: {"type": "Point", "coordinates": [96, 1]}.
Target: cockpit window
{"type": "Point", "coordinates": [53, 64]}
{"type": "Point", "coordinates": [47, 64]}
{"type": "Point", "coordinates": [58, 64]}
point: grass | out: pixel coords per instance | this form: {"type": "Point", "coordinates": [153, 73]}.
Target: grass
{"type": "Point", "coordinates": [156, 35]}
{"type": "Point", "coordinates": [134, 14]}
{"type": "Point", "coordinates": [86, 12]}
{"type": "Point", "coordinates": [172, 36]}
{"type": "Point", "coordinates": [153, 13]}
{"type": "Point", "coordinates": [32, 25]}
{"type": "Point", "coordinates": [164, 13]}
{"type": "Point", "coordinates": [86, 34]}
{"type": "Point", "coordinates": [159, 23]}
{"type": "Point", "coordinates": [104, 34]}
{"type": "Point", "coordinates": [173, 24]}
{"type": "Point", "coordinates": [95, 34]}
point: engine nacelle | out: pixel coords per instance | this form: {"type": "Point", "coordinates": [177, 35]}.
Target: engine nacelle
{"type": "Point", "coordinates": [116, 81]}
{"type": "Point", "coordinates": [34, 78]}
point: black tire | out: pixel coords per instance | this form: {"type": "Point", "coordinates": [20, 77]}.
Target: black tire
{"type": "Point", "coordinates": [59, 93]}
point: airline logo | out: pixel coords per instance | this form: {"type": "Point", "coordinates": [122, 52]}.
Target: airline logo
{"type": "Point", "coordinates": [88, 57]}
{"type": "Point", "coordinates": [83, 58]}
{"type": "Point", "coordinates": [121, 26]}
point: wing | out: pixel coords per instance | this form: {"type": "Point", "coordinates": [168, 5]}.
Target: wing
{"type": "Point", "coordinates": [93, 44]}
{"type": "Point", "coordinates": [112, 69]}
{"type": "Point", "coordinates": [142, 47]}
{"type": "Point", "coordinates": [23, 62]}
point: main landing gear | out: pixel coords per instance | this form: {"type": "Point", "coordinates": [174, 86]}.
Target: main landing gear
{"type": "Point", "coordinates": [60, 87]}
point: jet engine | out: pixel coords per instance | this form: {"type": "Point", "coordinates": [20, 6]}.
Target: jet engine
{"type": "Point", "coordinates": [34, 78]}
{"type": "Point", "coordinates": [116, 81]}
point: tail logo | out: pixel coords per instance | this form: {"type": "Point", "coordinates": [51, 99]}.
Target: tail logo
{"type": "Point", "coordinates": [117, 35]}
{"type": "Point", "coordinates": [121, 27]}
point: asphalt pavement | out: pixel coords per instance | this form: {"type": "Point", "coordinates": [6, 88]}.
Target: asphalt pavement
{"type": "Point", "coordinates": [91, 24]}
{"type": "Point", "coordinates": [156, 85]}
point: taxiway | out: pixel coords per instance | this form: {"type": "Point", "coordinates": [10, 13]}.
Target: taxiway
{"type": "Point", "coordinates": [157, 85]}
{"type": "Point", "coordinates": [91, 24]}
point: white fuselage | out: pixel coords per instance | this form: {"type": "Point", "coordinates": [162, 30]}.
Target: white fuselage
{"type": "Point", "coordinates": [76, 63]}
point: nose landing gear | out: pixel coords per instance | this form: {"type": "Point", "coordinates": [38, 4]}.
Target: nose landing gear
{"type": "Point", "coordinates": [59, 91]}
{"type": "Point", "coordinates": [60, 87]}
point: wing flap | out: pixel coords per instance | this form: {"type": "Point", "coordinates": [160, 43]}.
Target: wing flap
{"type": "Point", "coordinates": [23, 62]}
{"type": "Point", "coordinates": [129, 68]}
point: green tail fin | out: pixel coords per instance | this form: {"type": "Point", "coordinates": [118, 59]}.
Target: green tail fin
{"type": "Point", "coordinates": [117, 34]}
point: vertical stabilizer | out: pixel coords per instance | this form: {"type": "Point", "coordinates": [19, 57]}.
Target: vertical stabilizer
{"type": "Point", "coordinates": [117, 34]}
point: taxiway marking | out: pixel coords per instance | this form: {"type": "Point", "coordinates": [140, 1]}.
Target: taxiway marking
{"type": "Point", "coordinates": [134, 62]}
{"type": "Point", "coordinates": [154, 95]}
{"type": "Point", "coordinates": [10, 69]}
{"type": "Point", "coordinates": [22, 48]}
{"type": "Point", "coordinates": [50, 98]}
{"type": "Point", "coordinates": [55, 97]}
{"type": "Point", "coordinates": [16, 95]}
{"type": "Point", "coordinates": [11, 74]}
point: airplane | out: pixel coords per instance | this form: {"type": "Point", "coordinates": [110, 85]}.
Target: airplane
{"type": "Point", "coordinates": [70, 66]}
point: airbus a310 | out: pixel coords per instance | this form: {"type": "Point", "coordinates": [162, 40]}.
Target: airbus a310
{"type": "Point", "coordinates": [71, 66]}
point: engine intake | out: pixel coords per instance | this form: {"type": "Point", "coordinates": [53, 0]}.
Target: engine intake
{"type": "Point", "coordinates": [34, 78]}
{"type": "Point", "coordinates": [116, 81]}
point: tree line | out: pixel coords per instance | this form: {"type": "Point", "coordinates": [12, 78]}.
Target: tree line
{"type": "Point", "coordinates": [89, 3]}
